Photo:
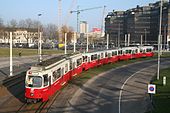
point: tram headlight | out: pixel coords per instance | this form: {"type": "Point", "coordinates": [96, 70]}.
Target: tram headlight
{"type": "Point", "coordinates": [32, 94]}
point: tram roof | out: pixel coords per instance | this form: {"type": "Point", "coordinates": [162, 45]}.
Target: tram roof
{"type": "Point", "coordinates": [55, 59]}
{"type": "Point", "coordinates": [51, 60]}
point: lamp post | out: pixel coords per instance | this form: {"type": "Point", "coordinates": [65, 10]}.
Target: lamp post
{"type": "Point", "coordinates": [11, 62]}
{"type": "Point", "coordinates": [107, 41]}
{"type": "Point", "coordinates": [65, 45]}
{"type": "Point", "coordinates": [40, 41]}
{"type": "Point", "coordinates": [159, 37]}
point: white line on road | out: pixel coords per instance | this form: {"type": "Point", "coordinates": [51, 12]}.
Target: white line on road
{"type": "Point", "coordinates": [120, 94]}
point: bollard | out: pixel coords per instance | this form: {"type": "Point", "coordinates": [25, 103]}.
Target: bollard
{"type": "Point", "coordinates": [164, 80]}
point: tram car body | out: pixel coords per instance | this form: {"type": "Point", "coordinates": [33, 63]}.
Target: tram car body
{"type": "Point", "coordinates": [44, 79]}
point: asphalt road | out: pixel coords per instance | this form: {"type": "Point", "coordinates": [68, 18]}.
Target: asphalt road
{"type": "Point", "coordinates": [121, 90]}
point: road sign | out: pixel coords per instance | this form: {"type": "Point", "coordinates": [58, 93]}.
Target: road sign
{"type": "Point", "coordinates": [151, 88]}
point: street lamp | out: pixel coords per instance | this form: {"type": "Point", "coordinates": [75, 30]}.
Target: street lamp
{"type": "Point", "coordinates": [159, 37]}
{"type": "Point", "coordinates": [40, 41]}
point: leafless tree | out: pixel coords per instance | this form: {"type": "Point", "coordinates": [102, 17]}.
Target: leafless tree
{"type": "Point", "coordinates": [22, 24]}
{"type": "Point", "coordinates": [29, 23]}
{"type": "Point", "coordinates": [13, 23]}
{"type": "Point", "coordinates": [1, 23]}
{"type": "Point", "coordinates": [50, 31]}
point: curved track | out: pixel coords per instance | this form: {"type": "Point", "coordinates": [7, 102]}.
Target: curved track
{"type": "Point", "coordinates": [121, 90]}
{"type": "Point", "coordinates": [98, 95]}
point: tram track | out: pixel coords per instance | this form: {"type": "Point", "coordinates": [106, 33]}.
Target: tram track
{"type": "Point", "coordinates": [40, 107]}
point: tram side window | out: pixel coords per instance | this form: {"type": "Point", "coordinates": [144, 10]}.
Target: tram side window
{"type": "Point", "coordinates": [56, 74]}
{"type": "Point", "coordinates": [84, 58]}
{"type": "Point", "coordinates": [92, 57]}
{"type": "Point", "coordinates": [109, 55]}
{"type": "Point", "coordinates": [130, 51]}
{"type": "Point", "coordinates": [88, 59]}
{"type": "Point", "coordinates": [98, 57]}
{"type": "Point", "coordinates": [123, 52]}
{"type": "Point", "coordinates": [74, 65]}
{"type": "Point", "coordinates": [95, 57]}
{"type": "Point", "coordinates": [62, 72]}
{"type": "Point", "coordinates": [101, 55]}
{"type": "Point", "coordinates": [136, 51]}
{"type": "Point", "coordinates": [71, 65]}
{"type": "Point", "coordinates": [127, 51]}
{"type": "Point", "coordinates": [115, 52]}
{"type": "Point", "coordinates": [148, 50]}
{"type": "Point", "coordinates": [106, 54]}
{"type": "Point", "coordinates": [141, 50]}
{"type": "Point", "coordinates": [45, 80]}
{"type": "Point", "coordinates": [120, 52]}
{"type": "Point", "coordinates": [133, 52]}
{"type": "Point", "coordinates": [79, 61]}
{"type": "Point", "coordinates": [66, 68]}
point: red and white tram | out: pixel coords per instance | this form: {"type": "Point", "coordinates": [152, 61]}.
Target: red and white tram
{"type": "Point", "coordinates": [43, 80]}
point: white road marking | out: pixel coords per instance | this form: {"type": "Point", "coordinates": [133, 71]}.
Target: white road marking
{"type": "Point", "coordinates": [120, 94]}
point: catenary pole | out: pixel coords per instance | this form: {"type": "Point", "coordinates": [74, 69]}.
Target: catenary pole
{"type": "Point", "coordinates": [159, 37]}
{"type": "Point", "coordinates": [107, 41]}
{"type": "Point", "coordinates": [65, 36]}
{"type": "Point", "coordinates": [11, 67]}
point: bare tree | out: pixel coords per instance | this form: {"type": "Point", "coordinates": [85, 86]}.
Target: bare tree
{"type": "Point", "coordinates": [1, 28]}
{"type": "Point", "coordinates": [13, 23]}
{"type": "Point", "coordinates": [1, 23]}
{"type": "Point", "coordinates": [29, 23]}
{"type": "Point", "coordinates": [22, 24]}
{"type": "Point", "coordinates": [50, 31]}
{"type": "Point", "coordinates": [36, 23]}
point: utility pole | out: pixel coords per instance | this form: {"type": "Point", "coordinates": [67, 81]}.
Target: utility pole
{"type": "Point", "coordinates": [11, 66]}
{"type": "Point", "coordinates": [87, 48]}
{"type": "Point", "coordinates": [102, 24]}
{"type": "Point", "coordinates": [125, 40]}
{"type": "Point", "coordinates": [75, 35]}
{"type": "Point", "coordinates": [40, 41]}
{"type": "Point", "coordinates": [87, 39]}
{"type": "Point", "coordinates": [107, 41]}
{"type": "Point", "coordinates": [59, 20]}
{"type": "Point", "coordinates": [128, 40]}
{"type": "Point", "coordinates": [141, 40]}
{"type": "Point", "coordinates": [159, 38]}
{"type": "Point", "coordinates": [65, 36]}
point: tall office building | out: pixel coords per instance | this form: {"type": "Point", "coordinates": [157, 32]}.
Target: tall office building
{"type": "Point", "coordinates": [83, 27]}
{"type": "Point", "coordinates": [141, 21]}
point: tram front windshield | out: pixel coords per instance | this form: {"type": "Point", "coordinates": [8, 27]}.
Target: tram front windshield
{"type": "Point", "coordinates": [34, 81]}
